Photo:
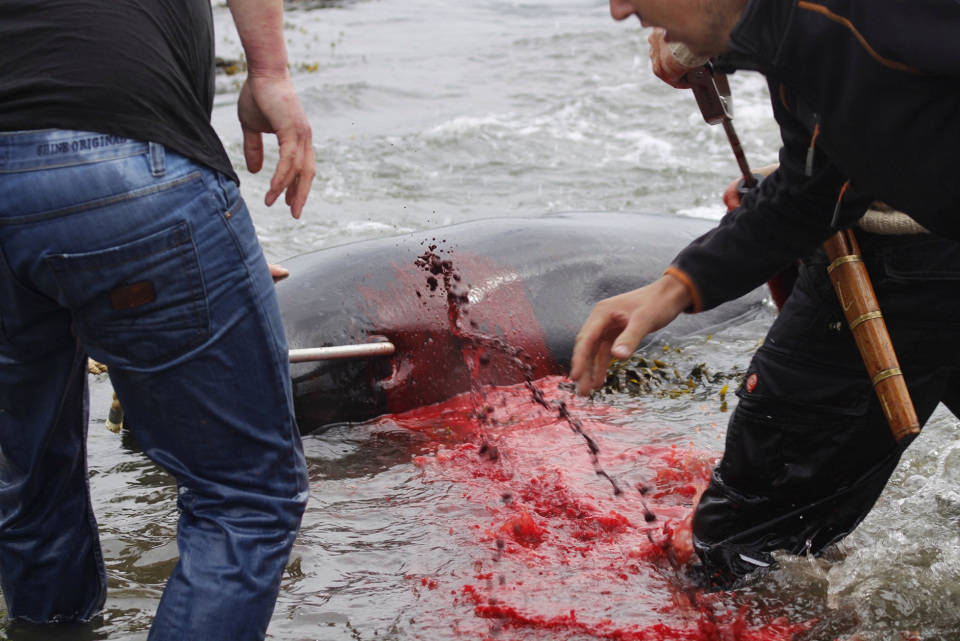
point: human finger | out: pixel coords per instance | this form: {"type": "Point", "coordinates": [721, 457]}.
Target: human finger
{"type": "Point", "coordinates": [655, 66]}
{"type": "Point", "coordinates": [629, 339]}
{"type": "Point", "coordinates": [304, 180]}
{"type": "Point", "coordinates": [601, 362]}
{"type": "Point", "coordinates": [277, 272]}
{"type": "Point", "coordinates": [591, 353]}
{"type": "Point", "coordinates": [290, 194]}
{"type": "Point", "coordinates": [285, 171]}
{"type": "Point", "coordinates": [581, 356]}
{"type": "Point", "coordinates": [253, 150]}
{"type": "Point", "coordinates": [584, 347]}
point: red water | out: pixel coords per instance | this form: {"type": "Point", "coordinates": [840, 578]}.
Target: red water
{"type": "Point", "coordinates": [478, 347]}
{"type": "Point", "coordinates": [563, 527]}
{"type": "Point", "coordinates": [545, 550]}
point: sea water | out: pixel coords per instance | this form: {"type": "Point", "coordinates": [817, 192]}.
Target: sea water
{"type": "Point", "coordinates": [428, 113]}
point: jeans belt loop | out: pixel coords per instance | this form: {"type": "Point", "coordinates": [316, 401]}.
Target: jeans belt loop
{"type": "Point", "coordinates": [157, 159]}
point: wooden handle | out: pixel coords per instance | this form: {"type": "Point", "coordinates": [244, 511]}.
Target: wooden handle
{"type": "Point", "coordinates": [859, 302]}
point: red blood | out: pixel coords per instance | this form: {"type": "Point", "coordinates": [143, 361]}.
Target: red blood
{"type": "Point", "coordinates": [524, 530]}
{"type": "Point", "coordinates": [574, 562]}
{"type": "Point", "coordinates": [428, 330]}
{"type": "Point", "coordinates": [572, 559]}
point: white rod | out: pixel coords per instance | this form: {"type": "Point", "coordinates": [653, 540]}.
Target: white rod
{"type": "Point", "coordinates": [361, 350]}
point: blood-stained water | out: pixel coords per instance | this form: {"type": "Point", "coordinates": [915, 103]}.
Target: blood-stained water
{"type": "Point", "coordinates": [525, 513]}
{"type": "Point", "coordinates": [518, 108]}
{"type": "Point", "coordinates": [545, 549]}
{"type": "Point", "coordinates": [565, 538]}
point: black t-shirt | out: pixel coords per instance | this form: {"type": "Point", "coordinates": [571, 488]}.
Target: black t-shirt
{"type": "Point", "coordinates": [140, 69]}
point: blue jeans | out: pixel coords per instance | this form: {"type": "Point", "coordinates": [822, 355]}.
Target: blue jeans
{"type": "Point", "coordinates": [149, 263]}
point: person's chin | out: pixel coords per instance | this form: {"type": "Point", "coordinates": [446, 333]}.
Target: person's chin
{"type": "Point", "coordinates": [668, 36]}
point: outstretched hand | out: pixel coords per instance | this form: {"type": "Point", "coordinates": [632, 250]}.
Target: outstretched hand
{"type": "Point", "coordinates": [617, 324]}
{"type": "Point", "coordinates": [270, 105]}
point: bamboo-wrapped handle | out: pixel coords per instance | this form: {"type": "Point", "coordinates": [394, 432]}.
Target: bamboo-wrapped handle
{"type": "Point", "coordinates": [859, 302]}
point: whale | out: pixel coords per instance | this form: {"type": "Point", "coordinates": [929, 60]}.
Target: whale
{"type": "Point", "coordinates": [493, 301]}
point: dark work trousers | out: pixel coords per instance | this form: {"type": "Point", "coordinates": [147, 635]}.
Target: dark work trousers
{"type": "Point", "coordinates": [808, 449]}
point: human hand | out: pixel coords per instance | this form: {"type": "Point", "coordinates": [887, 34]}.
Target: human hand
{"type": "Point", "coordinates": [269, 104]}
{"type": "Point", "coordinates": [732, 196]}
{"type": "Point", "coordinates": [617, 325]}
{"type": "Point", "coordinates": [671, 60]}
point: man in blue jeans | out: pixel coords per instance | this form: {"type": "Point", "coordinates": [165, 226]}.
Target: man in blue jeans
{"type": "Point", "coordinates": [123, 237]}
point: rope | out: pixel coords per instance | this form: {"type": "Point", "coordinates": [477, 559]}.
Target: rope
{"type": "Point", "coordinates": [881, 218]}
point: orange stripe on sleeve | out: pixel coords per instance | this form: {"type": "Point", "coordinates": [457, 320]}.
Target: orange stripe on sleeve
{"type": "Point", "coordinates": [680, 275]}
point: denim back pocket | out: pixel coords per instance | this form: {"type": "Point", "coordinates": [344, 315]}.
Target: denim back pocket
{"type": "Point", "coordinates": [140, 303]}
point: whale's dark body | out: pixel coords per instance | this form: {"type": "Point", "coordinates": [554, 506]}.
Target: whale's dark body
{"type": "Point", "coordinates": [529, 283]}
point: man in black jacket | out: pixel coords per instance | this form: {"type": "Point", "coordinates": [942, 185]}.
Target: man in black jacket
{"type": "Point", "coordinates": [866, 114]}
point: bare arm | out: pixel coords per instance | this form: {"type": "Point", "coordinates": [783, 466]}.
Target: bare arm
{"type": "Point", "coordinates": [269, 104]}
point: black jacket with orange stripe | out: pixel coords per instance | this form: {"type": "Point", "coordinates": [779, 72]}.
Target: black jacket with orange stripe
{"type": "Point", "coordinates": [867, 95]}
